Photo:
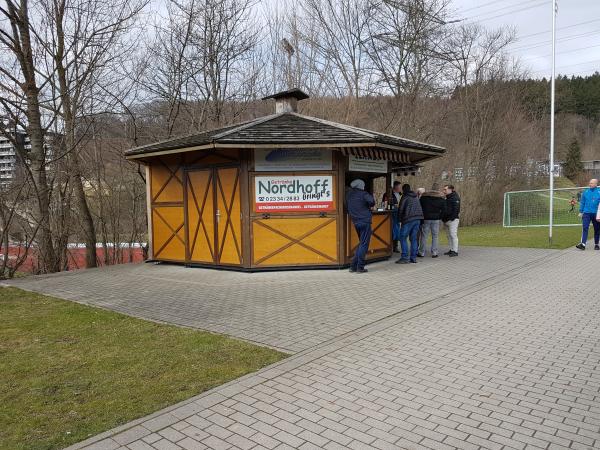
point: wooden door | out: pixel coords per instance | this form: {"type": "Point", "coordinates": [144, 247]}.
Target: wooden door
{"type": "Point", "coordinates": [200, 216]}
{"type": "Point", "coordinates": [228, 216]}
{"type": "Point", "coordinates": [213, 216]}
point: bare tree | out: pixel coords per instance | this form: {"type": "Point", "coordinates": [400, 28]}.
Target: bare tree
{"type": "Point", "coordinates": [22, 103]}
{"type": "Point", "coordinates": [60, 50]}
{"type": "Point", "coordinates": [223, 39]}
{"type": "Point", "coordinates": [82, 41]}
{"type": "Point", "coordinates": [16, 235]}
{"type": "Point", "coordinates": [403, 44]}
{"type": "Point", "coordinates": [342, 27]}
{"type": "Point", "coordinates": [169, 64]}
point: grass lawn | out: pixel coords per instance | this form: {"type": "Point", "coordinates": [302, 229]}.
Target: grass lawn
{"type": "Point", "coordinates": [70, 371]}
{"type": "Point", "coordinates": [497, 236]}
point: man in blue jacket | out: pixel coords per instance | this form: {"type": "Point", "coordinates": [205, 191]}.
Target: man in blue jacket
{"type": "Point", "coordinates": [588, 207]}
{"type": "Point", "coordinates": [359, 204]}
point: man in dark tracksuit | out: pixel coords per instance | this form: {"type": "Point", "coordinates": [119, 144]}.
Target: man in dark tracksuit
{"type": "Point", "coordinates": [411, 214]}
{"type": "Point", "coordinates": [359, 204]}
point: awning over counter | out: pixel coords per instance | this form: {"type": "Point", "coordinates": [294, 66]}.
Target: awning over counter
{"type": "Point", "coordinates": [377, 154]}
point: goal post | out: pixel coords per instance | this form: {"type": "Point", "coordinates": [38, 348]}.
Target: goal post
{"type": "Point", "coordinates": [532, 208]}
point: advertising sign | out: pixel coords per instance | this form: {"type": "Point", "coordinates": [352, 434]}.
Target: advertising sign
{"type": "Point", "coordinates": [291, 159]}
{"type": "Point", "coordinates": [359, 164]}
{"type": "Point", "coordinates": [311, 193]}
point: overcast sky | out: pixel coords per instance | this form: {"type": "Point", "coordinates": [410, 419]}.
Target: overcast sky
{"type": "Point", "coordinates": [577, 22]}
{"type": "Point", "coordinates": [578, 31]}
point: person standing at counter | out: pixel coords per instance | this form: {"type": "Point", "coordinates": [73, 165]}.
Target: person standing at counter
{"type": "Point", "coordinates": [359, 204]}
{"type": "Point", "coordinates": [410, 214]}
{"type": "Point", "coordinates": [394, 201]}
{"type": "Point", "coordinates": [433, 203]}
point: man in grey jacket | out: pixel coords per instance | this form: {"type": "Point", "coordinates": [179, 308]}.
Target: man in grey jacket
{"type": "Point", "coordinates": [411, 214]}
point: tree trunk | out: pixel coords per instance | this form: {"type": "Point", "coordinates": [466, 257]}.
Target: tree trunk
{"type": "Point", "coordinates": [68, 113]}
{"type": "Point", "coordinates": [36, 135]}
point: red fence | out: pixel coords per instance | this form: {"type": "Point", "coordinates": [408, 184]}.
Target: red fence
{"type": "Point", "coordinates": [76, 257]}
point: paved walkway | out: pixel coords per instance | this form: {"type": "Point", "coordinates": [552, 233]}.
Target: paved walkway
{"type": "Point", "coordinates": [291, 311]}
{"type": "Point", "coordinates": [495, 349]}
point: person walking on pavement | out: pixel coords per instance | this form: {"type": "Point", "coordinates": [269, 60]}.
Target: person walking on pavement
{"type": "Point", "coordinates": [451, 219]}
{"type": "Point", "coordinates": [359, 204]}
{"type": "Point", "coordinates": [588, 208]}
{"type": "Point", "coordinates": [410, 214]}
{"type": "Point", "coordinates": [433, 204]}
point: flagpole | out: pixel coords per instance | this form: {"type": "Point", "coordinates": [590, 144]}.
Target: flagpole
{"type": "Point", "coordinates": [552, 88]}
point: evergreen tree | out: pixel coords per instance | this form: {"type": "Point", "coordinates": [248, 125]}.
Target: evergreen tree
{"type": "Point", "coordinates": [573, 165]}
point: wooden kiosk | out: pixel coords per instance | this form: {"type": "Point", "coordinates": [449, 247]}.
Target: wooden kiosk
{"type": "Point", "coordinates": [269, 193]}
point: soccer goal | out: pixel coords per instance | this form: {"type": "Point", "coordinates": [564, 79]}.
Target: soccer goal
{"type": "Point", "coordinates": [532, 208]}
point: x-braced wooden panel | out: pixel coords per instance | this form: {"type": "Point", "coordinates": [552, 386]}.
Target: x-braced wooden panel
{"type": "Point", "coordinates": [294, 241]}
{"type": "Point", "coordinates": [168, 233]}
{"type": "Point", "coordinates": [167, 179]}
{"type": "Point", "coordinates": [229, 220]}
{"type": "Point", "coordinates": [200, 216]}
{"type": "Point", "coordinates": [381, 239]}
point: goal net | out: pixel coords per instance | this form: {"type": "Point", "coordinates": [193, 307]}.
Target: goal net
{"type": "Point", "coordinates": [532, 208]}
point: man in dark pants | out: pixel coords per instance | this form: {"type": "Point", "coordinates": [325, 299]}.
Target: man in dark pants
{"type": "Point", "coordinates": [359, 204]}
{"type": "Point", "coordinates": [590, 201]}
{"type": "Point", "coordinates": [411, 214]}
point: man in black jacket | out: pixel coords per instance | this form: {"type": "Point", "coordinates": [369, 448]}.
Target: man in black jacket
{"type": "Point", "coordinates": [451, 219]}
{"type": "Point", "coordinates": [359, 204]}
{"type": "Point", "coordinates": [411, 214]}
{"type": "Point", "coordinates": [433, 203]}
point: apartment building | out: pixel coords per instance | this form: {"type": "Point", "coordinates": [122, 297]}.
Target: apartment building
{"type": "Point", "coordinates": [8, 153]}
{"type": "Point", "coordinates": [8, 156]}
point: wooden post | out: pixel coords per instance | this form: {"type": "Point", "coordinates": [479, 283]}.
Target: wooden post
{"type": "Point", "coordinates": [149, 209]}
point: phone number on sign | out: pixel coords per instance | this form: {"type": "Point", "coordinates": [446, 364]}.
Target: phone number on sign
{"type": "Point", "coordinates": [279, 199]}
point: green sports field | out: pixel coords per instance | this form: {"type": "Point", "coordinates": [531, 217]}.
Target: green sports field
{"type": "Point", "coordinates": [498, 236]}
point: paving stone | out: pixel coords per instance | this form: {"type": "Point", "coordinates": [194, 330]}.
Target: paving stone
{"type": "Point", "coordinates": [241, 442]}
{"type": "Point", "coordinates": [194, 432]}
{"type": "Point", "coordinates": [139, 445]}
{"type": "Point", "coordinates": [289, 439]}
{"type": "Point", "coordinates": [191, 444]}
{"type": "Point", "coordinates": [106, 444]}
{"type": "Point", "coordinates": [171, 434]}
{"type": "Point", "coordinates": [160, 422]}
{"type": "Point", "coordinates": [215, 443]}
{"type": "Point", "coordinates": [131, 435]}
{"type": "Point", "coordinates": [165, 444]}
{"type": "Point", "coordinates": [153, 437]}
{"type": "Point", "coordinates": [264, 440]}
